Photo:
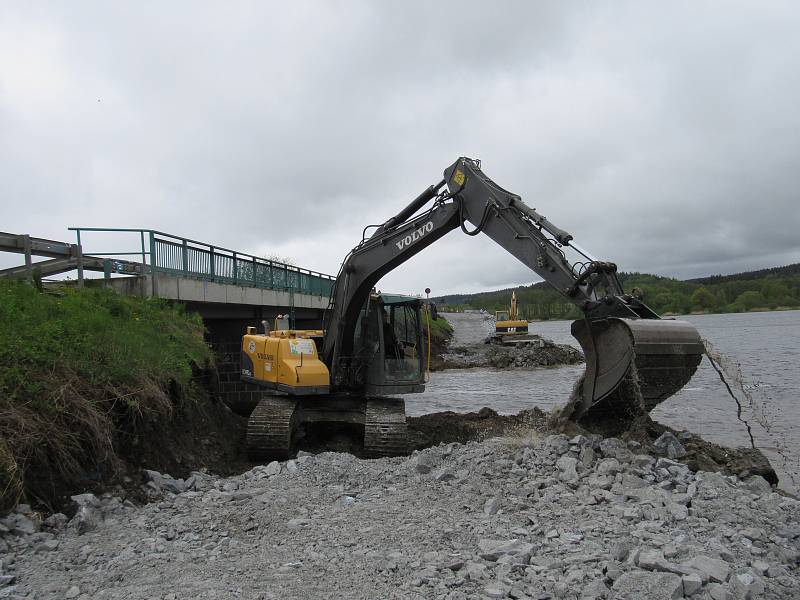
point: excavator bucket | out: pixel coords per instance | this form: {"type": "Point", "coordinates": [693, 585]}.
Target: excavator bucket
{"type": "Point", "coordinates": [664, 354]}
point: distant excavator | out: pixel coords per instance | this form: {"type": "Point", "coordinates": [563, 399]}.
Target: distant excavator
{"type": "Point", "coordinates": [509, 329]}
{"type": "Point", "coordinates": [508, 321]}
{"type": "Point", "coordinates": [371, 347]}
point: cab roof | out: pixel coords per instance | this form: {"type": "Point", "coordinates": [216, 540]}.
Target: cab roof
{"type": "Point", "coordinates": [398, 299]}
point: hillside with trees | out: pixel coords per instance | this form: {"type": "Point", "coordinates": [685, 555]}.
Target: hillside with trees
{"type": "Point", "coordinates": [767, 289]}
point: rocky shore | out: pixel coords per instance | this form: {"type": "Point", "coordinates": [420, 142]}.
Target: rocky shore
{"type": "Point", "coordinates": [468, 348]}
{"type": "Point", "coordinates": [536, 353]}
{"type": "Point", "coordinates": [523, 516]}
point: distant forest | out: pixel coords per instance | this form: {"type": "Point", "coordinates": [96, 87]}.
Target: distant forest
{"type": "Point", "coordinates": [767, 289]}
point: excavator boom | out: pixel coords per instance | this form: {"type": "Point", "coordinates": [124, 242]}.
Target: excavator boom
{"type": "Point", "coordinates": [621, 337]}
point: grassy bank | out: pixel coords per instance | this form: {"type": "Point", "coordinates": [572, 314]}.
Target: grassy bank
{"type": "Point", "coordinates": [441, 334]}
{"type": "Point", "coordinates": [79, 370]}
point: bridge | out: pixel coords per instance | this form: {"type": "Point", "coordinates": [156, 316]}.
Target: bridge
{"type": "Point", "coordinates": [228, 288]}
{"type": "Point", "coordinates": [212, 280]}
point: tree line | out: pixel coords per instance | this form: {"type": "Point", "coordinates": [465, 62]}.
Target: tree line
{"type": "Point", "coordinates": [768, 289]}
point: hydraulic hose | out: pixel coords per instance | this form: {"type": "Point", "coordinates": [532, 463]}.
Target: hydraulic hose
{"type": "Point", "coordinates": [428, 317]}
{"type": "Point", "coordinates": [477, 229]}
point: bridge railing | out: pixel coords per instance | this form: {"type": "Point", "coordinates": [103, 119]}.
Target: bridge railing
{"type": "Point", "coordinates": [166, 253]}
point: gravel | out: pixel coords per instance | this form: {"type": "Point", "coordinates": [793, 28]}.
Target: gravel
{"type": "Point", "coordinates": [516, 517]}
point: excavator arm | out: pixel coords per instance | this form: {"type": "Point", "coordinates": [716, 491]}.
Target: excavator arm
{"type": "Point", "coordinates": [590, 284]}
{"type": "Point", "coordinates": [613, 333]}
{"type": "Point", "coordinates": [391, 245]}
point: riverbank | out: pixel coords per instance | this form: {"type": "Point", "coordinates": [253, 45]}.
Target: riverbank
{"type": "Point", "coordinates": [527, 516]}
{"type": "Point", "coordinates": [488, 505]}
{"type": "Point", "coordinates": [94, 385]}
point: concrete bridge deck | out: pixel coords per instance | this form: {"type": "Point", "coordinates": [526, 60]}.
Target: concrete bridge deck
{"type": "Point", "coordinates": [166, 266]}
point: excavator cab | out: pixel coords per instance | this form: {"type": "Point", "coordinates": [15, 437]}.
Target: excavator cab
{"type": "Point", "coordinates": [388, 344]}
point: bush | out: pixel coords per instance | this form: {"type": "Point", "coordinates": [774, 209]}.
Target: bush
{"type": "Point", "coordinates": [77, 366]}
{"type": "Point", "coordinates": [750, 300]}
{"type": "Point", "coordinates": [703, 299]}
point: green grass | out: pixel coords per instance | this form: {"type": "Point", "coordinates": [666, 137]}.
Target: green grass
{"type": "Point", "coordinates": [441, 333]}
{"type": "Point", "coordinates": [76, 367]}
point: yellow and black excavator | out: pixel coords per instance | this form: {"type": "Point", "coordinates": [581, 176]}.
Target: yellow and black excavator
{"type": "Point", "coordinates": [371, 347]}
{"type": "Point", "coordinates": [509, 329]}
{"type": "Point", "coordinates": [508, 321]}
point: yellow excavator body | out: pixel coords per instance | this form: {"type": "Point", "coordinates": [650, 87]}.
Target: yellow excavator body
{"type": "Point", "coordinates": [285, 360]}
{"type": "Point", "coordinates": [508, 321]}
{"type": "Point", "coordinates": [509, 326]}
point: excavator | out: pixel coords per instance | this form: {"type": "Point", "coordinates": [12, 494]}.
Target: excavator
{"type": "Point", "coordinates": [371, 348]}
{"type": "Point", "coordinates": [509, 329]}
{"type": "Point", "coordinates": [508, 321]}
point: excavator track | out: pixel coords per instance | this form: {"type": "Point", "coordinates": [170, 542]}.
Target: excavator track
{"type": "Point", "coordinates": [385, 432]}
{"type": "Point", "coordinates": [270, 428]}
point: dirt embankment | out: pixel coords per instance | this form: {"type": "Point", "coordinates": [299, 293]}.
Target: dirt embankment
{"type": "Point", "coordinates": [199, 434]}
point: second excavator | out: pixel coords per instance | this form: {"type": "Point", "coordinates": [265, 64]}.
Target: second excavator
{"type": "Point", "coordinates": [371, 348]}
{"type": "Point", "coordinates": [509, 329]}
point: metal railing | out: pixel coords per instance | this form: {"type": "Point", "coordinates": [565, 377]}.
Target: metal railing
{"type": "Point", "coordinates": [166, 253]}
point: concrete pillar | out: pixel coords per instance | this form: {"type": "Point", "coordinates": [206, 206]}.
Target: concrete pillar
{"type": "Point", "coordinates": [26, 246]}
{"type": "Point", "coordinates": [79, 258]}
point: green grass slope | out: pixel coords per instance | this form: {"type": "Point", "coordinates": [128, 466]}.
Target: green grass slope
{"type": "Point", "coordinates": [78, 367]}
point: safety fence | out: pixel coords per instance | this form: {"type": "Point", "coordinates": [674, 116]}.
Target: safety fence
{"type": "Point", "coordinates": [161, 252]}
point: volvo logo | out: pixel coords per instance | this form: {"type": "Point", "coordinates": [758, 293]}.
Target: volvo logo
{"type": "Point", "coordinates": [415, 235]}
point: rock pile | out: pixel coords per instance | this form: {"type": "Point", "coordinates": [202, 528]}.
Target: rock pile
{"type": "Point", "coordinates": [527, 517]}
{"type": "Point", "coordinates": [539, 353]}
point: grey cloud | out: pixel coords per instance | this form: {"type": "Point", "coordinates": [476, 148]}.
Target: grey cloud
{"type": "Point", "coordinates": [664, 137]}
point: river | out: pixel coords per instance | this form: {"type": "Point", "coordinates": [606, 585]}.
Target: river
{"type": "Point", "coordinates": [764, 346]}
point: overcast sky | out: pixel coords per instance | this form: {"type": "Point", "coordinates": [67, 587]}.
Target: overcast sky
{"type": "Point", "coordinates": [665, 136]}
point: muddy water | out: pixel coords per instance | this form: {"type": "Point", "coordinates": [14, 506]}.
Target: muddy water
{"type": "Point", "coordinates": [765, 346]}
